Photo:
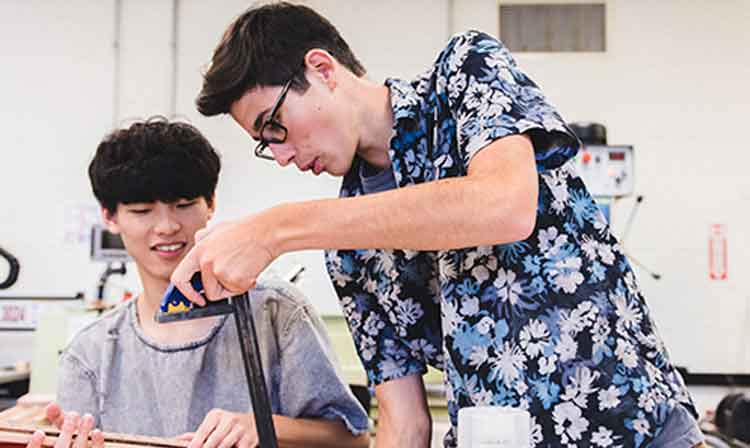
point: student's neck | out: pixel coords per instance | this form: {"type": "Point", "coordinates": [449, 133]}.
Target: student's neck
{"type": "Point", "coordinates": [148, 304]}
{"type": "Point", "coordinates": [375, 120]}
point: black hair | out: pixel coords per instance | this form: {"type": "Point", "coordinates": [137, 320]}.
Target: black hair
{"type": "Point", "coordinates": [154, 160]}
{"type": "Point", "coordinates": [266, 46]}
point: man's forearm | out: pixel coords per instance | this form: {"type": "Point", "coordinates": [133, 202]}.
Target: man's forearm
{"type": "Point", "coordinates": [312, 433]}
{"type": "Point", "coordinates": [393, 433]}
{"type": "Point", "coordinates": [403, 416]}
{"type": "Point", "coordinates": [486, 207]}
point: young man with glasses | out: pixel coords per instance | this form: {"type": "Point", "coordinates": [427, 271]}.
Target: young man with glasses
{"type": "Point", "coordinates": [463, 238]}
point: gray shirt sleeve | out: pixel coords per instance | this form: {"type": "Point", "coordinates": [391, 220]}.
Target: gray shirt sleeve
{"type": "Point", "coordinates": [311, 385]}
{"type": "Point", "coordinates": [76, 387]}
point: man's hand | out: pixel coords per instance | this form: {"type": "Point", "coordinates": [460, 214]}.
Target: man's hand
{"type": "Point", "coordinates": [69, 423]}
{"type": "Point", "coordinates": [223, 429]}
{"type": "Point", "coordinates": [230, 257]}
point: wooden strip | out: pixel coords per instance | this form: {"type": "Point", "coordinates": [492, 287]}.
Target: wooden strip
{"type": "Point", "coordinates": [23, 415]}
{"type": "Point", "coordinates": [16, 439]}
{"type": "Point", "coordinates": [14, 433]}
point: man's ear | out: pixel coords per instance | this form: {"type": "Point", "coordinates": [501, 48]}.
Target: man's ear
{"type": "Point", "coordinates": [322, 64]}
{"type": "Point", "coordinates": [110, 220]}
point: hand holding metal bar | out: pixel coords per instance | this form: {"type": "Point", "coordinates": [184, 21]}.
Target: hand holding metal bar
{"type": "Point", "coordinates": [175, 306]}
{"type": "Point", "coordinates": [243, 316]}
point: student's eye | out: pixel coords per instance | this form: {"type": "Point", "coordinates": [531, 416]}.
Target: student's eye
{"type": "Point", "coordinates": [139, 211]}
{"type": "Point", "coordinates": [186, 204]}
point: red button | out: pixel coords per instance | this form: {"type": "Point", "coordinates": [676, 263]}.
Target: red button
{"type": "Point", "coordinates": [586, 157]}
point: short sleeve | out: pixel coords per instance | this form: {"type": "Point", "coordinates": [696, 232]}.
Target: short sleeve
{"type": "Point", "coordinates": [76, 387]}
{"type": "Point", "coordinates": [489, 98]}
{"type": "Point", "coordinates": [385, 349]}
{"type": "Point", "coordinates": [311, 385]}
{"type": "Point", "coordinates": [390, 304]}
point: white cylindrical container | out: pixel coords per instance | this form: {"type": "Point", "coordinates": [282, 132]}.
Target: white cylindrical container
{"type": "Point", "coordinates": [493, 427]}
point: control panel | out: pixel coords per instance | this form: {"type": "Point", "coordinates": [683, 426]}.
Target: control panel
{"type": "Point", "coordinates": [607, 170]}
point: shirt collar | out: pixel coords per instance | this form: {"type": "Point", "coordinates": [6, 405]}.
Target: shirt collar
{"type": "Point", "coordinates": [406, 105]}
{"type": "Point", "coordinates": [407, 160]}
{"type": "Point", "coordinates": [405, 101]}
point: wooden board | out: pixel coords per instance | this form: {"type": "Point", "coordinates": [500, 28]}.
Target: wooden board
{"type": "Point", "coordinates": [17, 424]}
{"type": "Point", "coordinates": [14, 437]}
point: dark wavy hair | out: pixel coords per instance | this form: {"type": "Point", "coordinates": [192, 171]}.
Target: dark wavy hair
{"type": "Point", "coordinates": [154, 160]}
{"type": "Point", "coordinates": [266, 46]}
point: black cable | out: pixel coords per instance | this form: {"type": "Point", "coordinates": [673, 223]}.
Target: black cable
{"type": "Point", "coordinates": [15, 267]}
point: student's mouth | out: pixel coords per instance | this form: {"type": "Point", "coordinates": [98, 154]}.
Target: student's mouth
{"type": "Point", "coordinates": [170, 250]}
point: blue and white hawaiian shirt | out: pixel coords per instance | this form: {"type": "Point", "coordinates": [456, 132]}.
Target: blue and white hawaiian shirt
{"type": "Point", "coordinates": [555, 324]}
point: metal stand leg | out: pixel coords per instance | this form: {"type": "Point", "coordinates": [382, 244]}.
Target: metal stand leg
{"type": "Point", "coordinates": [638, 200]}
{"type": "Point", "coordinates": [243, 316]}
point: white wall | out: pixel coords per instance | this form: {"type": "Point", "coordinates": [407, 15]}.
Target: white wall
{"type": "Point", "coordinates": [56, 89]}
{"type": "Point", "coordinates": [63, 91]}
{"type": "Point", "coordinates": [673, 83]}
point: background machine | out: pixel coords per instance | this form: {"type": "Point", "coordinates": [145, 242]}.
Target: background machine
{"type": "Point", "coordinates": [609, 174]}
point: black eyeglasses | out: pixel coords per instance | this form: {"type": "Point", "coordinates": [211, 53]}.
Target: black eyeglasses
{"type": "Point", "coordinates": [272, 131]}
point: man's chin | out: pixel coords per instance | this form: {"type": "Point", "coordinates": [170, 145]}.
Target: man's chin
{"type": "Point", "coordinates": [335, 171]}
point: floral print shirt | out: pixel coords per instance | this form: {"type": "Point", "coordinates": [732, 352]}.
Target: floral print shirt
{"type": "Point", "coordinates": [555, 324]}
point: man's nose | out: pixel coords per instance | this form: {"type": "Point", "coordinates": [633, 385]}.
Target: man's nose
{"type": "Point", "coordinates": [282, 152]}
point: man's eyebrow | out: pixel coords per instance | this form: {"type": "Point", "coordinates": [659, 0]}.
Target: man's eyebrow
{"type": "Point", "coordinates": [259, 120]}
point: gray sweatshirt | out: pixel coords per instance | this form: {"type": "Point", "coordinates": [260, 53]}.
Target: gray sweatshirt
{"type": "Point", "coordinates": [132, 385]}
